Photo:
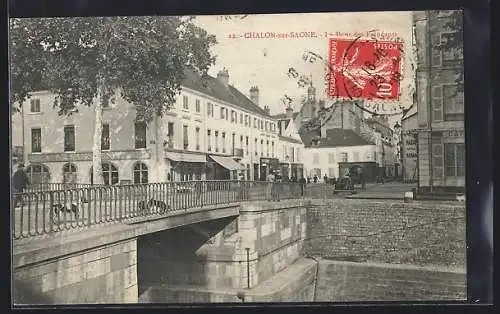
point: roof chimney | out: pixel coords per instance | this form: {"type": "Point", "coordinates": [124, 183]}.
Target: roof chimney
{"type": "Point", "coordinates": [289, 112]}
{"type": "Point", "coordinates": [254, 94]}
{"type": "Point", "coordinates": [267, 110]}
{"type": "Point", "coordinates": [223, 76]}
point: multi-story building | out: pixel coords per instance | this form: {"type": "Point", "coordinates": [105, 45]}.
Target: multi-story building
{"type": "Point", "coordinates": [440, 103]}
{"type": "Point", "coordinates": [213, 131]}
{"type": "Point", "coordinates": [291, 147]}
{"type": "Point", "coordinates": [323, 155]}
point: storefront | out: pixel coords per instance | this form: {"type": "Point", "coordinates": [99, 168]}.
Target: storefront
{"type": "Point", "coordinates": [225, 168]}
{"type": "Point", "coordinates": [186, 166]}
{"type": "Point", "coordinates": [297, 171]}
{"type": "Point", "coordinates": [268, 165]}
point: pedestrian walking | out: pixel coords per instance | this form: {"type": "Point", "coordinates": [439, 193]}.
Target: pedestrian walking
{"type": "Point", "coordinates": [302, 182]}
{"type": "Point", "coordinates": [20, 181]}
{"type": "Point", "coordinates": [325, 178]}
{"type": "Point", "coordinates": [198, 188]}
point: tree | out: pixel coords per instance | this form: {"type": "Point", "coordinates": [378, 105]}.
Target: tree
{"type": "Point", "coordinates": [90, 60]}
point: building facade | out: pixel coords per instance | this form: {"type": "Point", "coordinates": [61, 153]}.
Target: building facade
{"type": "Point", "coordinates": [291, 147]}
{"type": "Point", "coordinates": [323, 155]}
{"type": "Point", "coordinates": [440, 103]}
{"type": "Point", "coordinates": [213, 131]}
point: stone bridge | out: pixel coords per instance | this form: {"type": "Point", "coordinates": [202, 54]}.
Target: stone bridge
{"type": "Point", "coordinates": [254, 251]}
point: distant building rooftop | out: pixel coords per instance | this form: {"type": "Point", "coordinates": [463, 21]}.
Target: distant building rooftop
{"type": "Point", "coordinates": [334, 138]}
{"type": "Point", "coordinates": [213, 87]}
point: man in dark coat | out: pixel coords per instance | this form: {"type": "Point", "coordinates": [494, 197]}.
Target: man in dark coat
{"type": "Point", "coordinates": [19, 181]}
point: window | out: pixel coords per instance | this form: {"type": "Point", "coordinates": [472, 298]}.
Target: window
{"type": "Point", "coordinates": [453, 102]}
{"type": "Point", "coordinates": [246, 143]}
{"type": "Point", "coordinates": [140, 135]}
{"type": "Point", "coordinates": [267, 148]}
{"type": "Point", "coordinates": [140, 173]}
{"type": "Point", "coordinates": [69, 138]}
{"type": "Point", "coordinates": [69, 173]}
{"type": "Point", "coordinates": [198, 105]}
{"type": "Point", "coordinates": [197, 138]}
{"type": "Point", "coordinates": [223, 142]}
{"type": "Point", "coordinates": [216, 133]}
{"type": "Point", "coordinates": [233, 142]}
{"type": "Point", "coordinates": [241, 141]}
{"type": "Point", "coordinates": [256, 147]}
{"type": "Point", "coordinates": [36, 140]}
{"type": "Point", "coordinates": [210, 110]}
{"type": "Point", "coordinates": [331, 158]}
{"type": "Point", "coordinates": [110, 174]}
{"type": "Point", "coordinates": [247, 120]}
{"type": "Point", "coordinates": [262, 147]}
{"type": "Point", "coordinates": [222, 111]}
{"type": "Point", "coordinates": [185, 136]}
{"type": "Point", "coordinates": [185, 104]}
{"type": "Point", "coordinates": [35, 105]}
{"type": "Point", "coordinates": [233, 116]}
{"type": "Point", "coordinates": [454, 159]}
{"type": "Point", "coordinates": [436, 51]}
{"type": "Point", "coordinates": [209, 135]}
{"type": "Point", "coordinates": [38, 173]}
{"type": "Point", "coordinates": [315, 158]}
{"type": "Point", "coordinates": [170, 130]}
{"type": "Point", "coordinates": [255, 122]}
{"type": "Point", "coordinates": [241, 118]}
{"type": "Point", "coordinates": [105, 144]}
{"type": "Point", "coordinates": [272, 149]}
{"type": "Point", "coordinates": [227, 114]}
{"type": "Point", "coordinates": [344, 157]}
{"type": "Point", "coordinates": [266, 125]}
{"type": "Point", "coordinates": [454, 54]}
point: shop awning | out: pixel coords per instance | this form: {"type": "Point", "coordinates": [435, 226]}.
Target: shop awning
{"type": "Point", "coordinates": [227, 162]}
{"type": "Point", "coordinates": [175, 156]}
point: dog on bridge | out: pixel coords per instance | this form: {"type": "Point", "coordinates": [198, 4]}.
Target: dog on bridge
{"type": "Point", "coordinates": [72, 208]}
{"type": "Point", "coordinates": [152, 206]}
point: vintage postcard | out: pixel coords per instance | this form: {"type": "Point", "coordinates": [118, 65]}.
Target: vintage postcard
{"type": "Point", "coordinates": [308, 157]}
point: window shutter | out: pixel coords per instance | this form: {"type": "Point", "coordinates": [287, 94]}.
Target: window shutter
{"type": "Point", "coordinates": [437, 158]}
{"type": "Point", "coordinates": [436, 52]}
{"type": "Point", "coordinates": [437, 103]}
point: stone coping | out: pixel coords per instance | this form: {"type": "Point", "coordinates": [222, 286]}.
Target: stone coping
{"type": "Point", "coordinates": [36, 250]}
{"type": "Point", "coordinates": [429, 268]}
{"type": "Point", "coordinates": [423, 205]}
{"type": "Point", "coordinates": [263, 206]}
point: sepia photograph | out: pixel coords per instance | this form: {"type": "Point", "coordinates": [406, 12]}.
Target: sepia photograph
{"type": "Point", "coordinates": [298, 157]}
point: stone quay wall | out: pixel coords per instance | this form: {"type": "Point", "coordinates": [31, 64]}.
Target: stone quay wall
{"type": "Point", "coordinates": [419, 233]}
{"type": "Point", "coordinates": [106, 274]}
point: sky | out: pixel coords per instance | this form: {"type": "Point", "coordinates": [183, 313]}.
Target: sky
{"type": "Point", "coordinates": [264, 62]}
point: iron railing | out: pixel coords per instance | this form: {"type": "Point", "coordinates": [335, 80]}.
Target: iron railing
{"type": "Point", "coordinates": [55, 207]}
{"type": "Point", "coordinates": [40, 187]}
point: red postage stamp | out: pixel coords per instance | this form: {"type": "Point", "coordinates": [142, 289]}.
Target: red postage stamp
{"type": "Point", "coordinates": [364, 68]}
